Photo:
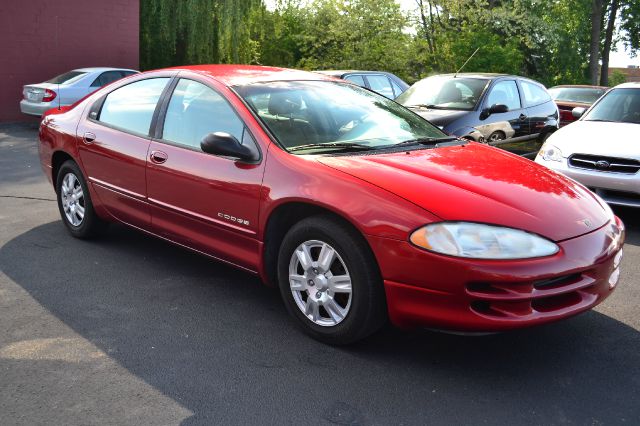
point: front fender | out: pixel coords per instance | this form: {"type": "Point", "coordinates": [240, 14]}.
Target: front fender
{"type": "Point", "coordinates": [469, 133]}
{"type": "Point", "coordinates": [369, 208]}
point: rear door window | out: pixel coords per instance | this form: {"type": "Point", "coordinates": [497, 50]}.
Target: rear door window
{"type": "Point", "coordinates": [131, 107]}
{"type": "Point", "coordinates": [396, 89]}
{"type": "Point", "coordinates": [534, 94]}
{"type": "Point", "coordinates": [381, 84]}
{"type": "Point", "coordinates": [357, 79]}
{"type": "Point", "coordinates": [106, 77]}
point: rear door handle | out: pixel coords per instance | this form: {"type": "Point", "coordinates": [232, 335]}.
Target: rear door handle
{"type": "Point", "coordinates": [89, 137]}
{"type": "Point", "coordinates": [523, 117]}
{"type": "Point", "coordinates": [158, 157]}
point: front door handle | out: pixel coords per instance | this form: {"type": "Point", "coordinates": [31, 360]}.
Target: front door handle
{"type": "Point", "coordinates": [158, 157]}
{"type": "Point", "coordinates": [89, 137]}
{"type": "Point", "coordinates": [523, 117]}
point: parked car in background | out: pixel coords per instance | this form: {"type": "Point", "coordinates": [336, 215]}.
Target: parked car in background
{"type": "Point", "coordinates": [67, 88]}
{"type": "Point", "coordinates": [601, 149]}
{"type": "Point", "coordinates": [356, 208]}
{"type": "Point", "coordinates": [494, 108]}
{"type": "Point", "coordinates": [569, 97]}
{"type": "Point", "coordinates": [384, 83]}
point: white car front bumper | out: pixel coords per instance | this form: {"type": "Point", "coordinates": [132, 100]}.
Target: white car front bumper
{"type": "Point", "coordinates": [621, 189]}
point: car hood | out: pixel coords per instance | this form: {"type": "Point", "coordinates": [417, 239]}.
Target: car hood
{"type": "Point", "coordinates": [475, 182]}
{"type": "Point", "coordinates": [440, 117]}
{"type": "Point", "coordinates": [598, 138]}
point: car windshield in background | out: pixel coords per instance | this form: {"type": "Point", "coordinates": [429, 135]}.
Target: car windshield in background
{"type": "Point", "coordinates": [67, 77]}
{"type": "Point", "coordinates": [316, 116]}
{"type": "Point", "coordinates": [619, 105]}
{"type": "Point", "coordinates": [457, 93]}
{"type": "Point", "coordinates": [584, 95]}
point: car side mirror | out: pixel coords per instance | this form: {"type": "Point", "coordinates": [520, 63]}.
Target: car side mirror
{"type": "Point", "coordinates": [224, 144]}
{"type": "Point", "coordinates": [498, 108]}
{"type": "Point", "coordinates": [577, 112]}
{"type": "Point", "coordinates": [494, 109]}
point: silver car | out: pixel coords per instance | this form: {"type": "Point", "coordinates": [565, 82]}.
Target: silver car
{"type": "Point", "coordinates": [601, 150]}
{"type": "Point", "coordinates": [67, 88]}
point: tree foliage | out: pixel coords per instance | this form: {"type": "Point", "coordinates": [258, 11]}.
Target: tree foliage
{"type": "Point", "coordinates": [549, 40]}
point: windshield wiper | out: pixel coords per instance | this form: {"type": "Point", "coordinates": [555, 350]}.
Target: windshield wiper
{"type": "Point", "coordinates": [424, 141]}
{"type": "Point", "coordinates": [601, 119]}
{"type": "Point", "coordinates": [427, 106]}
{"type": "Point", "coordinates": [342, 146]}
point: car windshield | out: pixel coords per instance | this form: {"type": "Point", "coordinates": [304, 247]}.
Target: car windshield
{"type": "Point", "coordinates": [317, 116]}
{"type": "Point", "coordinates": [445, 92]}
{"type": "Point", "coordinates": [619, 105]}
{"type": "Point", "coordinates": [67, 77]}
{"type": "Point", "coordinates": [585, 95]}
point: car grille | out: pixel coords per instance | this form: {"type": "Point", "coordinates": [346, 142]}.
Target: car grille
{"type": "Point", "coordinates": [521, 299]}
{"type": "Point", "coordinates": [604, 164]}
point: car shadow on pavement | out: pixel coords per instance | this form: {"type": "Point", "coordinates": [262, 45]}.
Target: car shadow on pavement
{"type": "Point", "coordinates": [214, 339]}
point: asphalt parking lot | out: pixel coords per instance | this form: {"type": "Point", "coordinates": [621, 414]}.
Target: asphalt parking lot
{"type": "Point", "coordinates": [131, 330]}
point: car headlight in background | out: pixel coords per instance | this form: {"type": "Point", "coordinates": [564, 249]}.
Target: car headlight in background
{"type": "Point", "coordinates": [480, 241]}
{"type": "Point", "coordinates": [550, 152]}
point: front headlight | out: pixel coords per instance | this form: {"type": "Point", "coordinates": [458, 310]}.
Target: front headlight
{"type": "Point", "coordinates": [550, 152]}
{"type": "Point", "coordinates": [480, 241]}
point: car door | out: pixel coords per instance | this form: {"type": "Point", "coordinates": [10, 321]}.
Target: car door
{"type": "Point", "coordinates": [113, 144]}
{"type": "Point", "coordinates": [499, 127]}
{"type": "Point", "coordinates": [206, 202]}
{"type": "Point", "coordinates": [543, 112]}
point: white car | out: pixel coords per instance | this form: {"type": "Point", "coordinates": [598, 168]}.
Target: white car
{"type": "Point", "coordinates": [67, 88]}
{"type": "Point", "coordinates": [601, 150]}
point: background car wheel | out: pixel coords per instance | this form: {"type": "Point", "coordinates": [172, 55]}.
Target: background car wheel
{"type": "Point", "coordinates": [544, 137]}
{"type": "Point", "coordinates": [330, 282]}
{"type": "Point", "coordinates": [496, 136]}
{"type": "Point", "coordinates": [74, 203]}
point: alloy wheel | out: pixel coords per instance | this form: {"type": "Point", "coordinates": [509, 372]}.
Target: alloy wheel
{"type": "Point", "coordinates": [320, 283]}
{"type": "Point", "coordinates": [72, 198]}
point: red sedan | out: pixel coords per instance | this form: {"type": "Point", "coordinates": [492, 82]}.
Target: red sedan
{"type": "Point", "coordinates": [357, 208]}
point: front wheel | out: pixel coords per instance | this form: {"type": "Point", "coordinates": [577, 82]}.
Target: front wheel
{"type": "Point", "coordinates": [330, 282]}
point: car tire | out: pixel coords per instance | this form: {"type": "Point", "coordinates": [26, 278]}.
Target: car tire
{"type": "Point", "coordinates": [330, 282]}
{"type": "Point", "coordinates": [496, 136]}
{"type": "Point", "coordinates": [74, 203]}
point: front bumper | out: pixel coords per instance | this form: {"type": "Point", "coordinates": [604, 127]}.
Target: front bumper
{"type": "Point", "coordinates": [429, 290]}
{"type": "Point", "coordinates": [615, 188]}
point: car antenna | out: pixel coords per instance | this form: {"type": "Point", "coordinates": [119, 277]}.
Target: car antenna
{"type": "Point", "coordinates": [465, 63]}
{"type": "Point", "coordinates": [59, 96]}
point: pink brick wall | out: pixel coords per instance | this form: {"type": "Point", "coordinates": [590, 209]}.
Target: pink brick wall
{"type": "Point", "coordinates": [40, 39]}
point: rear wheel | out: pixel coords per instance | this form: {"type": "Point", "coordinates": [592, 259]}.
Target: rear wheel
{"type": "Point", "coordinates": [329, 281]}
{"type": "Point", "coordinates": [74, 202]}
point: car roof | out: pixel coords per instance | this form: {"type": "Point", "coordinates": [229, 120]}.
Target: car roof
{"type": "Point", "coordinates": [102, 69]}
{"type": "Point", "coordinates": [343, 72]}
{"type": "Point", "coordinates": [482, 75]}
{"type": "Point", "coordinates": [578, 86]}
{"type": "Point", "coordinates": [629, 85]}
{"type": "Point", "coordinates": [233, 75]}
